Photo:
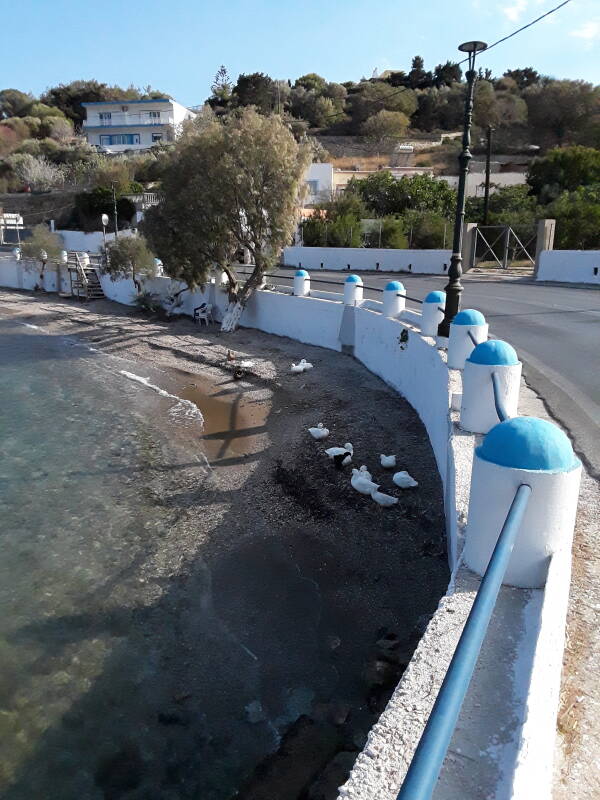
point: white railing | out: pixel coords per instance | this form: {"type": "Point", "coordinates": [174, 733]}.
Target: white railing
{"type": "Point", "coordinates": [120, 118]}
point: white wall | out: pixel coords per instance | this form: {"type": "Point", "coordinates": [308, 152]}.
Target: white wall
{"type": "Point", "coordinates": [428, 262]}
{"type": "Point", "coordinates": [323, 174]}
{"type": "Point", "coordinates": [88, 242]}
{"type": "Point", "coordinates": [569, 266]}
{"type": "Point", "coordinates": [476, 181]}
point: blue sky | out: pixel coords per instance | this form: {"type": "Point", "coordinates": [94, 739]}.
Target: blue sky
{"type": "Point", "coordinates": [177, 45]}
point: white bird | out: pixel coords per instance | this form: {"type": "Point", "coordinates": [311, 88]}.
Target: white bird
{"type": "Point", "coordinates": [362, 484]}
{"type": "Point", "coordinates": [387, 461]}
{"type": "Point", "coordinates": [320, 432]}
{"type": "Point", "coordinates": [297, 368]}
{"type": "Point", "coordinates": [337, 451]}
{"type": "Point", "coordinates": [404, 480]}
{"type": "Point", "coordinates": [306, 364]}
{"type": "Point", "coordinates": [365, 473]}
{"type": "Point", "coordinates": [382, 499]}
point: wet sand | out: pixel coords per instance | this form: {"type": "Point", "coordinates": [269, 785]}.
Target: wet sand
{"type": "Point", "coordinates": [280, 607]}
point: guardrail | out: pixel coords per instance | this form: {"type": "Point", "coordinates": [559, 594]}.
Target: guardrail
{"type": "Point", "coordinates": [427, 761]}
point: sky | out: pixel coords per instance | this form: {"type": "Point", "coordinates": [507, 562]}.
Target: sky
{"type": "Point", "coordinates": [178, 45]}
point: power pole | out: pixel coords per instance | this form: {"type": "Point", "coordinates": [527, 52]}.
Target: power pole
{"type": "Point", "coordinates": [114, 194]}
{"type": "Point", "coordinates": [488, 160]}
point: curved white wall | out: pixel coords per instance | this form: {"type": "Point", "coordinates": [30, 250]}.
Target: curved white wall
{"type": "Point", "coordinates": [569, 266]}
{"type": "Point", "coordinates": [425, 262]}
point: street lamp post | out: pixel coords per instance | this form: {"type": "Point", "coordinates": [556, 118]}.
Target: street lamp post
{"type": "Point", "coordinates": [488, 164]}
{"type": "Point", "coordinates": [454, 287]}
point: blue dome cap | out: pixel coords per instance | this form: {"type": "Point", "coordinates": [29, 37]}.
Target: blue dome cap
{"type": "Point", "coordinates": [353, 279]}
{"type": "Point", "coordinates": [495, 352]}
{"type": "Point", "coordinates": [469, 317]}
{"type": "Point", "coordinates": [395, 286]}
{"type": "Point", "coordinates": [528, 443]}
{"type": "Point", "coordinates": [301, 273]}
{"type": "Point", "coordinates": [435, 297]}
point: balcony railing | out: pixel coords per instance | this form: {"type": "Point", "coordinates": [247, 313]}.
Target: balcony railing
{"type": "Point", "coordinates": [120, 118]}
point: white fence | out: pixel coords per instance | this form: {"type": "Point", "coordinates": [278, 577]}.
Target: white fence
{"type": "Point", "coordinates": [569, 266]}
{"type": "Point", "coordinates": [424, 262]}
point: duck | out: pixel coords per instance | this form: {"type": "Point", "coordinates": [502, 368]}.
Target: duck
{"type": "Point", "coordinates": [385, 500]}
{"type": "Point", "coordinates": [320, 432]}
{"type": "Point", "coordinates": [365, 473]}
{"type": "Point", "coordinates": [387, 461]}
{"type": "Point", "coordinates": [362, 484]}
{"type": "Point", "coordinates": [404, 480]}
{"type": "Point", "coordinates": [306, 364]}
{"type": "Point", "coordinates": [337, 451]}
{"type": "Point", "coordinates": [296, 368]}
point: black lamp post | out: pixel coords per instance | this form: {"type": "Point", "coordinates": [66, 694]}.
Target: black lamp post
{"type": "Point", "coordinates": [454, 287]}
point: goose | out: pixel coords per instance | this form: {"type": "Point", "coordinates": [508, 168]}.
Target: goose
{"type": "Point", "coordinates": [365, 473]}
{"type": "Point", "coordinates": [320, 432]}
{"type": "Point", "coordinates": [342, 460]}
{"type": "Point", "coordinates": [387, 461]}
{"type": "Point", "coordinates": [382, 499]}
{"type": "Point", "coordinates": [337, 451]}
{"type": "Point", "coordinates": [362, 484]}
{"type": "Point", "coordinates": [296, 368]}
{"type": "Point", "coordinates": [305, 364]}
{"type": "Point", "coordinates": [404, 480]}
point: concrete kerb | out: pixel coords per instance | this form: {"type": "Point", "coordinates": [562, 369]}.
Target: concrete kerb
{"type": "Point", "coordinates": [418, 370]}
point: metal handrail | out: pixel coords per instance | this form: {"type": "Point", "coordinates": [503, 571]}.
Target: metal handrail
{"type": "Point", "coordinates": [498, 401]}
{"type": "Point", "coordinates": [427, 761]}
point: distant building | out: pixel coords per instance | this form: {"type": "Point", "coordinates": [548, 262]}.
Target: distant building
{"type": "Point", "coordinates": [133, 124]}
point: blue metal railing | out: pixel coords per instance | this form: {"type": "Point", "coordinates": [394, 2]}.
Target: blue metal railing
{"type": "Point", "coordinates": [427, 761]}
{"type": "Point", "coordinates": [498, 401]}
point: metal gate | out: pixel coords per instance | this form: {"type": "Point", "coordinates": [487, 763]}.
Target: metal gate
{"type": "Point", "coordinates": [504, 245]}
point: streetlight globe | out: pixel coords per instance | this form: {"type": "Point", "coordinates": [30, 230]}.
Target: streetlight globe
{"type": "Point", "coordinates": [105, 219]}
{"type": "Point", "coordinates": [472, 47]}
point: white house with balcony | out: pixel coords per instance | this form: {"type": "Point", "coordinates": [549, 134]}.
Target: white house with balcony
{"type": "Point", "coordinates": [133, 124]}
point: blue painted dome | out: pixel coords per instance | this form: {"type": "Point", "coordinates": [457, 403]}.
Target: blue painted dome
{"type": "Point", "coordinates": [469, 317]}
{"type": "Point", "coordinates": [435, 297]}
{"type": "Point", "coordinates": [394, 286]}
{"type": "Point", "coordinates": [494, 352]}
{"type": "Point", "coordinates": [301, 273]}
{"type": "Point", "coordinates": [528, 443]}
{"type": "Point", "coordinates": [353, 279]}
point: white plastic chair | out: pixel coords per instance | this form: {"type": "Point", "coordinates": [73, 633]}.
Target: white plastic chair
{"type": "Point", "coordinates": [203, 312]}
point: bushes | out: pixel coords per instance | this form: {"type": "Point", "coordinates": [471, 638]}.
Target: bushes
{"type": "Point", "coordinates": [130, 255]}
{"type": "Point", "coordinates": [42, 239]}
{"type": "Point", "coordinates": [36, 172]}
{"type": "Point", "coordinates": [89, 207]}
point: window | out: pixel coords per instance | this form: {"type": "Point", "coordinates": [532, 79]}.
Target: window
{"type": "Point", "coordinates": [104, 115]}
{"type": "Point", "coordinates": [120, 138]}
{"type": "Point", "coordinates": [157, 137]}
{"type": "Point", "coordinates": [124, 108]}
{"type": "Point", "coordinates": [313, 186]}
{"type": "Point", "coordinates": [154, 114]}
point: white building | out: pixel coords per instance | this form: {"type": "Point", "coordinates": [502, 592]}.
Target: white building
{"type": "Point", "coordinates": [319, 182]}
{"type": "Point", "coordinates": [133, 124]}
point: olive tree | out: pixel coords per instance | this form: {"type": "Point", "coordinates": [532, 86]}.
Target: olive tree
{"type": "Point", "coordinates": [129, 255]}
{"type": "Point", "coordinates": [230, 183]}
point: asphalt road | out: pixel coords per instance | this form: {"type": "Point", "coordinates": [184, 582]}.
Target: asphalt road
{"type": "Point", "coordinates": [555, 330]}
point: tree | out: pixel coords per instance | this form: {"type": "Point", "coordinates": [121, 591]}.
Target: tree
{"type": "Point", "coordinates": [312, 81]}
{"type": "Point", "coordinates": [510, 109]}
{"type": "Point", "coordinates": [377, 191]}
{"type": "Point", "coordinates": [14, 103]}
{"type": "Point", "coordinates": [417, 77]}
{"type": "Point", "coordinates": [43, 242]}
{"type": "Point", "coordinates": [89, 207]}
{"type": "Point", "coordinates": [36, 172]}
{"type": "Point", "coordinates": [256, 89]}
{"type": "Point", "coordinates": [373, 96]}
{"type": "Point", "coordinates": [447, 74]}
{"type": "Point", "coordinates": [485, 110]}
{"type": "Point", "coordinates": [559, 110]}
{"type": "Point", "coordinates": [577, 216]}
{"type": "Point", "coordinates": [387, 232]}
{"type": "Point", "coordinates": [129, 255]}
{"type": "Point", "coordinates": [509, 205]}
{"type": "Point", "coordinates": [563, 169]}
{"type": "Point", "coordinates": [523, 77]}
{"type": "Point", "coordinates": [335, 222]}
{"type": "Point", "coordinates": [385, 126]}
{"type": "Point", "coordinates": [221, 88]}
{"type": "Point", "coordinates": [428, 231]}
{"type": "Point", "coordinates": [230, 183]}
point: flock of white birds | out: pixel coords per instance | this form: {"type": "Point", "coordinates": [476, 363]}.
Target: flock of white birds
{"type": "Point", "coordinates": [361, 480]}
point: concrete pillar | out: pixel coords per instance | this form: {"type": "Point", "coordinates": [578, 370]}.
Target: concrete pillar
{"type": "Point", "coordinates": [353, 290]}
{"type": "Point", "coordinates": [546, 229]}
{"type": "Point", "coordinates": [394, 299]}
{"type": "Point", "coordinates": [466, 324]}
{"type": "Point", "coordinates": [534, 452]}
{"type": "Point", "coordinates": [17, 253]}
{"type": "Point", "coordinates": [301, 283]}
{"type": "Point", "coordinates": [478, 412]}
{"type": "Point", "coordinates": [468, 246]}
{"type": "Point", "coordinates": [431, 316]}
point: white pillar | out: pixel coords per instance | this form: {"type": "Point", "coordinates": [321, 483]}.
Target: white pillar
{"type": "Point", "coordinates": [394, 299]}
{"type": "Point", "coordinates": [353, 290]}
{"type": "Point", "coordinates": [537, 453]}
{"type": "Point", "coordinates": [478, 412]}
{"type": "Point", "coordinates": [431, 316]}
{"type": "Point", "coordinates": [465, 324]}
{"type": "Point", "coordinates": [301, 283]}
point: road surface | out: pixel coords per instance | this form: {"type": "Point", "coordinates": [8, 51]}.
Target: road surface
{"type": "Point", "coordinates": [555, 330]}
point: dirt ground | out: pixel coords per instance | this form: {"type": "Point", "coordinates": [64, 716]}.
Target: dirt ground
{"type": "Point", "coordinates": [283, 606]}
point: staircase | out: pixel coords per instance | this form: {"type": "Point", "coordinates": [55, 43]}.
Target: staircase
{"type": "Point", "coordinates": [85, 282]}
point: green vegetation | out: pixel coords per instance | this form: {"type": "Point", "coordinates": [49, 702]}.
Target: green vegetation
{"type": "Point", "coordinates": [129, 255]}
{"type": "Point", "coordinates": [42, 240]}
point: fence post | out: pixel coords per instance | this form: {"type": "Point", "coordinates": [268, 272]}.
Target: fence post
{"type": "Point", "coordinates": [432, 312]}
{"type": "Point", "coordinates": [478, 411]}
{"type": "Point", "coordinates": [353, 290]}
{"type": "Point", "coordinates": [546, 229]}
{"type": "Point", "coordinates": [301, 283]}
{"type": "Point", "coordinates": [467, 330]}
{"type": "Point", "coordinates": [531, 451]}
{"type": "Point", "coordinates": [394, 299]}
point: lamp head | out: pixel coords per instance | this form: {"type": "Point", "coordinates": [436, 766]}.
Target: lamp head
{"type": "Point", "coordinates": [472, 47]}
